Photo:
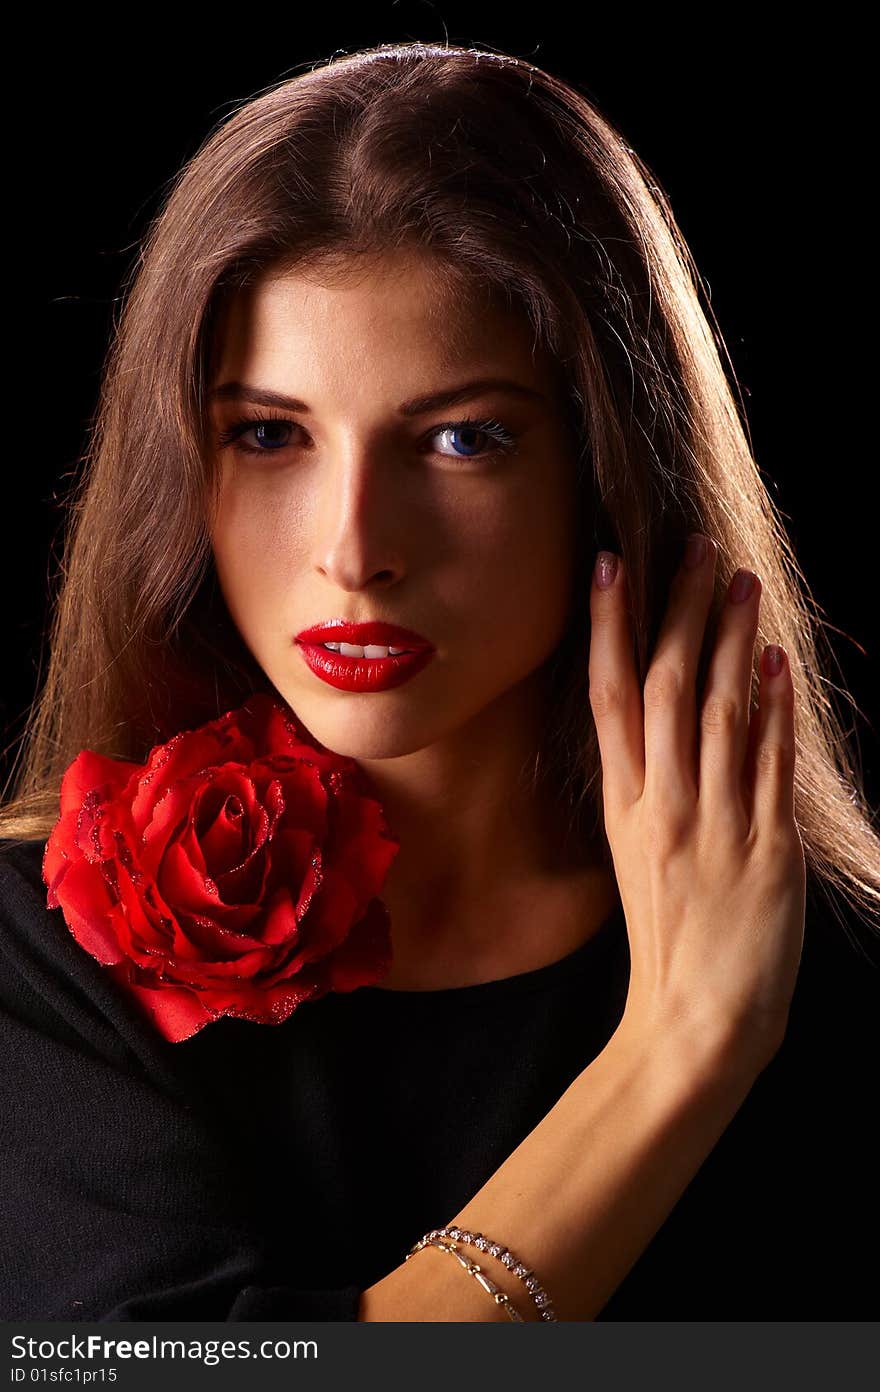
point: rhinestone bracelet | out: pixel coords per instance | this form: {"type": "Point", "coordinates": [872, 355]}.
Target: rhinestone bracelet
{"type": "Point", "coordinates": [506, 1257]}
{"type": "Point", "coordinates": [499, 1296]}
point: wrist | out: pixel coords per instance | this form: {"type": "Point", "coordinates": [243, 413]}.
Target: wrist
{"type": "Point", "coordinates": [698, 1051]}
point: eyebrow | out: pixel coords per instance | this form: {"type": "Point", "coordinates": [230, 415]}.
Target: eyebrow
{"type": "Point", "coordinates": [418, 406]}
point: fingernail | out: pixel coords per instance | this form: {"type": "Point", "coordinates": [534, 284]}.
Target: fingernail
{"type": "Point", "coordinates": [773, 658]}
{"type": "Point", "coordinates": [606, 569]}
{"type": "Point", "coordinates": [695, 551]}
{"type": "Point", "coordinates": [741, 586]}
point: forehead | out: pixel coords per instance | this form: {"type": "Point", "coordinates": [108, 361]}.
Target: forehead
{"type": "Point", "coordinates": [413, 305]}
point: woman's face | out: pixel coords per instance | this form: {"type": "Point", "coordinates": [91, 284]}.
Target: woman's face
{"type": "Point", "coordinates": [351, 507]}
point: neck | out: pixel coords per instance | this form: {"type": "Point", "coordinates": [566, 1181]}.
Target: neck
{"type": "Point", "coordinates": [486, 883]}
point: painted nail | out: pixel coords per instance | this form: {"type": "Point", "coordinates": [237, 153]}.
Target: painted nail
{"type": "Point", "coordinates": [695, 551]}
{"type": "Point", "coordinates": [741, 586]}
{"type": "Point", "coordinates": [773, 657]}
{"type": "Point", "coordinates": [606, 569]}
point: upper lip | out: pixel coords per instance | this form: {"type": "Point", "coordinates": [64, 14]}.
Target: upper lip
{"type": "Point", "coordinates": [379, 634]}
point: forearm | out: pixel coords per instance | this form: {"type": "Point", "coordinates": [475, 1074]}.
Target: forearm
{"type": "Point", "coordinates": [581, 1197]}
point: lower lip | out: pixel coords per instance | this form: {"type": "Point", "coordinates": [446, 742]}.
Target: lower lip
{"type": "Point", "coordinates": [363, 673]}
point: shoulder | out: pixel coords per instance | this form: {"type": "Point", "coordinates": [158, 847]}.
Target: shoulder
{"type": "Point", "coordinates": [49, 984]}
{"type": "Point", "coordinates": [45, 976]}
{"type": "Point", "coordinates": [30, 932]}
{"type": "Point", "coordinates": [22, 892]}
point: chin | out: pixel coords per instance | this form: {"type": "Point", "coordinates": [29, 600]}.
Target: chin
{"type": "Point", "coordinates": [367, 729]}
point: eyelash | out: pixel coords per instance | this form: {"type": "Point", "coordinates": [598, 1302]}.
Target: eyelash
{"type": "Point", "coordinates": [506, 439]}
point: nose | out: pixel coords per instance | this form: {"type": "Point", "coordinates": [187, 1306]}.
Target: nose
{"type": "Point", "coordinates": [360, 519]}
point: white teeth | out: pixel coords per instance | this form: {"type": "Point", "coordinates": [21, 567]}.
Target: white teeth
{"type": "Point", "coordinates": [370, 650]}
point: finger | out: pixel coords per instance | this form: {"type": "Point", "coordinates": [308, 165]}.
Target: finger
{"type": "Point", "coordinates": [724, 717]}
{"type": "Point", "coordinates": [773, 754]}
{"type": "Point", "coordinates": [615, 696]}
{"type": "Point", "coordinates": [670, 685]}
{"type": "Point", "coordinates": [749, 762]}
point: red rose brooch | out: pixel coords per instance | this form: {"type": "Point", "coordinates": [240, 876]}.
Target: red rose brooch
{"type": "Point", "coordinates": [236, 872]}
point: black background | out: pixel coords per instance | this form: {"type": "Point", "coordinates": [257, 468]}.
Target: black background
{"type": "Point", "coordinates": [754, 135]}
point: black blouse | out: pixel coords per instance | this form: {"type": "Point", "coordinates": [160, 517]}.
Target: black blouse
{"type": "Point", "coordinates": [257, 1172]}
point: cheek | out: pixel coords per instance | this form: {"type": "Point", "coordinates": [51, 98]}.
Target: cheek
{"type": "Point", "coordinates": [534, 587]}
{"type": "Point", "coordinates": [519, 581]}
{"type": "Point", "coordinates": [256, 545]}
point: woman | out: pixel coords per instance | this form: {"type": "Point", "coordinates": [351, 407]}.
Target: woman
{"type": "Point", "coordinates": [414, 343]}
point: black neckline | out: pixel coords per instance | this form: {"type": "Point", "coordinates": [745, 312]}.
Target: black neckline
{"type": "Point", "coordinates": [610, 932]}
{"type": "Point", "coordinates": [480, 992]}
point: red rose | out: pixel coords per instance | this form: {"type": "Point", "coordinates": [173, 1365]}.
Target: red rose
{"type": "Point", "coordinates": [234, 873]}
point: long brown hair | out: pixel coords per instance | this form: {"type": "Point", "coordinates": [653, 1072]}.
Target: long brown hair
{"type": "Point", "coordinates": [512, 180]}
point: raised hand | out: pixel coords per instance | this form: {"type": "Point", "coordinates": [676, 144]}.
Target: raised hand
{"type": "Point", "coordinates": [699, 811]}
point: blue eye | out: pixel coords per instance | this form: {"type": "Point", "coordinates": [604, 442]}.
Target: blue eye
{"type": "Point", "coordinates": [466, 445]}
{"type": "Point", "coordinates": [467, 429]}
{"type": "Point", "coordinates": [233, 434]}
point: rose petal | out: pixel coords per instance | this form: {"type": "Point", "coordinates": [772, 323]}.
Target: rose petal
{"type": "Point", "coordinates": [89, 771]}
{"type": "Point", "coordinates": [365, 956]}
{"type": "Point", "coordinates": [234, 872]}
{"type": "Point", "coordinates": [221, 825]}
{"type": "Point", "coordinates": [260, 1003]}
{"type": "Point", "coordinates": [176, 1011]}
{"type": "Point", "coordinates": [170, 811]}
{"type": "Point", "coordinates": [56, 858]}
{"type": "Point", "coordinates": [246, 885]}
{"type": "Point", "coordinates": [205, 973]}
{"type": "Point", "coordinates": [145, 932]}
{"type": "Point", "coordinates": [363, 848]}
{"type": "Point", "coordinates": [281, 923]}
{"type": "Point", "coordinates": [183, 757]}
{"type": "Point", "coordinates": [330, 916]}
{"type": "Point", "coordinates": [296, 862]}
{"type": "Point", "coordinates": [88, 911]}
{"type": "Point", "coordinates": [305, 798]}
{"type": "Point", "coordinates": [187, 888]}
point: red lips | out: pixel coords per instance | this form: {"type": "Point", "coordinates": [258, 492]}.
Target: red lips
{"type": "Point", "coordinates": [381, 634]}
